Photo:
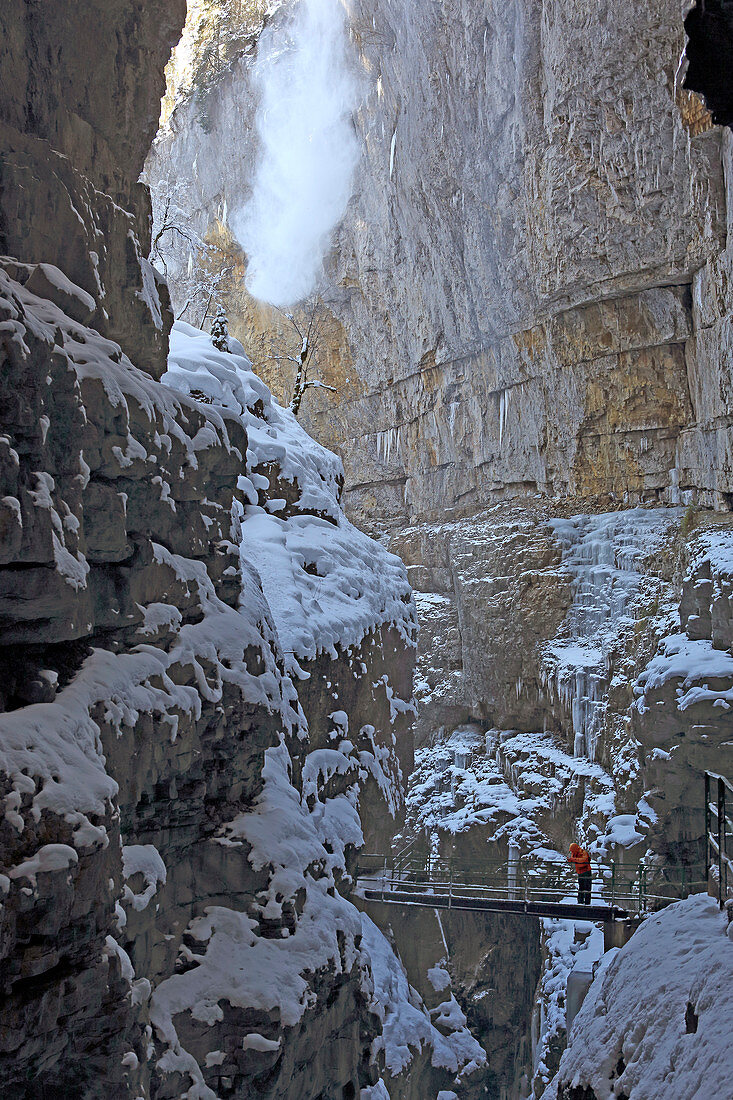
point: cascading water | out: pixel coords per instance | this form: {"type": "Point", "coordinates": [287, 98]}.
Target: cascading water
{"type": "Point", "coordinates": [603, 554]}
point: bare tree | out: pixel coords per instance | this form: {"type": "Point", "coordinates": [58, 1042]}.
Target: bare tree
{"type": "Point", "coordinates": [171, 223]}
{"type": "Point", "coordinates": [207, 263]}
{"type": "Point", "coordinates": [302, 349]}
{"type": "Point", "coordinates": [207, 279]}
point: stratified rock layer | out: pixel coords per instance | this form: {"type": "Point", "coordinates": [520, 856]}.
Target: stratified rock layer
{"type": "Point", "coordinates": [519, 294]}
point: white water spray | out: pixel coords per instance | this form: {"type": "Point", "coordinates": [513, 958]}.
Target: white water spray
{"type": "Point", "coordinates": [308, 153]}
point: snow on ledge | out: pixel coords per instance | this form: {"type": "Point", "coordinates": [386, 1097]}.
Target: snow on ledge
{"type": "Point", "coordinates": [328, 584]}
{"type": "Point", "coordinates": [406, 1023]}
{"type": "Point", "coordinates": [695, 665]}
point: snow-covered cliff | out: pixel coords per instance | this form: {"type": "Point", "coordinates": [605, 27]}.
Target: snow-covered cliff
{"type": "Point", "coordinates": [657, 1018]}
{"type": "Point", "coordinates": [206, 691]}
{"type": "Point", "coordinates": [528, 326]}
{"type": "Point", "coordinates": [207, 708]}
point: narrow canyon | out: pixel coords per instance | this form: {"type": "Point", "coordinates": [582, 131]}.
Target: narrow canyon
{"type": "Point", "coordinates": [366, 541]}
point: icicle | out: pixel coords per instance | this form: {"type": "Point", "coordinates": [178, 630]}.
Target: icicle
{"type": "Point", "coordinates": [602, 552]}
{"type": "Point", "coordinates": [504, 399]}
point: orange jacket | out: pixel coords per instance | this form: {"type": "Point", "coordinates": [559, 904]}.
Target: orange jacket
{"type": "Point", "coordinates": [580, 858]}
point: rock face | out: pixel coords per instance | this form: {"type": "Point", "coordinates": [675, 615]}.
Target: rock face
{"type": "Point", "coordinates": [547, 354]}
{"type": "Point", "coordinates": [155, 745]}
{"type": "Point", "coordinates": [80, 132]}
{"type": "Point", "coordinates": [529, 331]}
{"type": "Point", "coordinates": [682, 718]}
{"type": "Point", "coordinates": [456, 959]}
{"type": "Point", "coordinates": [595, 650]}
{"type": "Point", "coordinates": [609, 631]}
{"type": "Point", "coordinates": [490, 589]}
{"type": "Point", "coordinates": [519, 289]}
{"type": "Point", "coordinates": [206, 691]}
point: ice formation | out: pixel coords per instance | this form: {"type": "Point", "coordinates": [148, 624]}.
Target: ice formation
{"type": "Point", "coordinates": [602, 553]}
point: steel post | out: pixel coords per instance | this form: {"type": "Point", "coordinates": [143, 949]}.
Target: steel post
{"type": "Point", "coordinates": [707, 827]}
{"type": "Point", "coordinates": [722, 868]}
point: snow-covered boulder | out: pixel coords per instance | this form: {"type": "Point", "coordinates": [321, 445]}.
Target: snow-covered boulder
{"type": "Point", "coordinates": [656, 1020]}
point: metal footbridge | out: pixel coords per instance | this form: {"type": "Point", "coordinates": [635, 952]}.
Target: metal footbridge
{"type": "Point", "coordinates": [526, 885]}
{"type": "Point", "coordinates": [542, 884]}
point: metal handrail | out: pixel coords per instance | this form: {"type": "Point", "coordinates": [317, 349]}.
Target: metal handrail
{"type": "Point", "coordinates": [443, 888]}
{"type": "Point", "coordinates": [489, 868]}
{"type": "Point", "coordinates": [644, 886]}
{"type": "Point", "coordinates": [638, 892]}
{"type": "Point", "coordinates": [722, 779]}
{"type": "Point", "coordinates": [716, 840]}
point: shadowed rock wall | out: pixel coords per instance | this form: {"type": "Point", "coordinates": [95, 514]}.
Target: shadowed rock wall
{"type": "Point", "coordinates": [709, 28]}
{"type": "Point", "coordinates": [79, 107]}
{"type": "Point", "coordinates": [146, 715]}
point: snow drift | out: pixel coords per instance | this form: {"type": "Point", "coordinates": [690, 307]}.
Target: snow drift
{"type": "Point", "coordinates": [656, 1021]}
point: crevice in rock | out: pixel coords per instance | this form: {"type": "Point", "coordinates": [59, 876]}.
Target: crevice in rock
{"type": "Point", "coordinates": [709, 53]}
{"type": "Point", "coordinates": [691, 1019]}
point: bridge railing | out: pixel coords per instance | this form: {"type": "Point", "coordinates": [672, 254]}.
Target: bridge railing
{"type": "Point", "coordinates": [719, 836]}
{"type": "Point", "coordinates": [637, 888]}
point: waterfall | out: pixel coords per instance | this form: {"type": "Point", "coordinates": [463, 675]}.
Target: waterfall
{"type": "Point", "coordinates": [308, 89]}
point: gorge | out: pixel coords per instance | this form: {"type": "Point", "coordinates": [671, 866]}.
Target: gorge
{"type": "Point", "coordinates": [472, 604]}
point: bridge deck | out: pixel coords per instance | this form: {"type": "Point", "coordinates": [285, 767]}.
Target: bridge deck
{"type": "Point", "coordinates": [561, 909]}
{"type": "Point", "coordinates": [523, 886]}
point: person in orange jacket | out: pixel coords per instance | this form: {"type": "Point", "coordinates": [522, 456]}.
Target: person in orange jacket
{"type": "Point", "coordinates": [581, 861]}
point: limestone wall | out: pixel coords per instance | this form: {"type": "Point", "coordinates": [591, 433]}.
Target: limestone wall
{"type": "Point", "coordinates": [526, 302]}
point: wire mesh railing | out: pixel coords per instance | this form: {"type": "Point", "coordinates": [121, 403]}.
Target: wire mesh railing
{"type": "Point", "coordinates": [635, 888]}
